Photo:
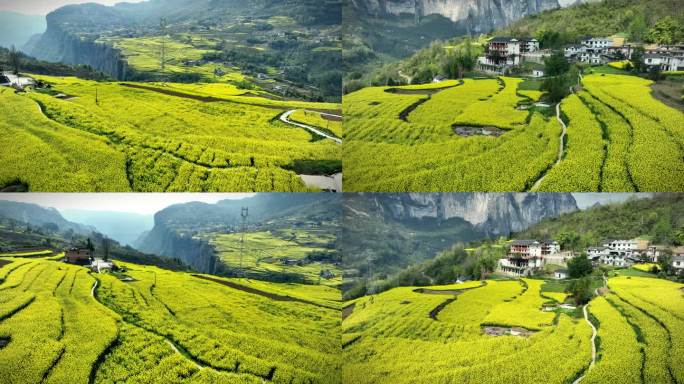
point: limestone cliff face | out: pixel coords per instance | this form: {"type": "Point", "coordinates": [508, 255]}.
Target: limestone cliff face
{"type": "Point", "coordinates": [477, 15]}
{"type": "Point", "coordinates": [58, 45]}
{"type": "Point", "coordinates": [493, 213]}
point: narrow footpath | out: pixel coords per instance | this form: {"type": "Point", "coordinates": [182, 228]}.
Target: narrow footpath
{"type": "Point", "coordinates": [561, 148]}
{"type": "Point", "coordinates": [593, 334]}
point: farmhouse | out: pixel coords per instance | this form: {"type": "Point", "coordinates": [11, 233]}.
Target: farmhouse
{"type": "Point", "coordinates": [665, 59]}
{"type": "Point", "coordinates": [503, 53]}
{"type": "Point", "coordinates": [678, 262]}
{"type": "Point", "coordinates": [526, 256]}
{"type": "Point", "coordinates": [560, 274]}
{"type": "Point", "coordinates": [11, 80]}
{"type": "Point", "coordinates": [79, 256]}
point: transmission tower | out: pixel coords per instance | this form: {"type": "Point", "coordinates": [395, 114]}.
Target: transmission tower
{"type": "Point", "coordinates": [244, 213]}
{"type": "Point", "coordinates": [162, 60]}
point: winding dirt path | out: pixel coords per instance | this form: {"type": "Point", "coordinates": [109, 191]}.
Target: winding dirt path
{"type": "Point", "coordinates": [593, 333]}
{"type": "Point", "coordinates": [593, 344]}
{"type": "Point", "coordinates": [561, 148]}
{"type": "Point", "coordinates": [285, 118]}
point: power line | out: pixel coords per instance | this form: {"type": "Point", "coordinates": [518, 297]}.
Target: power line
{"type": "Point", "coordinates": [244, 213]}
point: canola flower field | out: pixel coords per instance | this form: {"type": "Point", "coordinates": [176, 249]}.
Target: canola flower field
{"type": "Point", "coordinates": [411, 335]}
{"type": "Point", "coordinates": [161, 327]}
{"type": "Point", "coordinates": [273, 251]}
{"type": "Point", "coordinates": [482, 134]}
{"type": "Point", "coordinates": [132, 137]}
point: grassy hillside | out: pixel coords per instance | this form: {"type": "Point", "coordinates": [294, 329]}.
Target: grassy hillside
{"type": "Point", "coordinates": [151, 325]}
{"type": "Point", "coordinates": [635, 18]}
{"type": "Point", "coordinates": [175, 137]}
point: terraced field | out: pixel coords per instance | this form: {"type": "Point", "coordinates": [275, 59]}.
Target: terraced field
{"type": "Point", "coordinates": [89, 136]}
{"type": "Point", "coordinates": [473, 136]}
{"type": "Point", "coordinates": [473, 333]}
{"type": "Point", "coordinates": [279, 251]}
{"type": "Point", "coordinates": [59, 323]}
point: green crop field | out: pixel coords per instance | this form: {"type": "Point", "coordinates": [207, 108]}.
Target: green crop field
{"type": "Point", "coordinates": [278, 251]}
{"type": "Point", "coordinates": [152, 137]}
{"type": "Point", "coordinates": [60, 323]}
{"type": "Point", "coordinates": [480, 135]}
{"type": "Point", "coordinates": [410, 336]}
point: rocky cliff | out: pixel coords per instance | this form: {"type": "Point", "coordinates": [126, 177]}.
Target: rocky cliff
{"type": "Point", "coordinates": [476, 16]}
{"type": "Point", "coordinates": [58, 45]}
{"type": "Point", "coordinates": [494, 214]}
{"type": "Point", "coordinates": [165, 241]}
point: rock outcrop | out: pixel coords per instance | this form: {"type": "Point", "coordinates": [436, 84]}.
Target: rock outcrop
{"type": "Point", "coordinates": [495, 214]}
{"type": "Point", "coordinates": [476, 16]}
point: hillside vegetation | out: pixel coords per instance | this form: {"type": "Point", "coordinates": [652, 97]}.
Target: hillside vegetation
{"type": "Point", "coordinates": [172, 138]}
{"type": "Point", "coordinates": [619, 138]}
{"type": "Point", "coordinates": [446, 333]}
{"type": "Point", "coordinates": [159, 326]}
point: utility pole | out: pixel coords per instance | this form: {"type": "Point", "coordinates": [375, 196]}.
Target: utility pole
{"type": "Point", "coordinates": [162, 27]}
{"type": "Point", "coordinates": [244, 213]}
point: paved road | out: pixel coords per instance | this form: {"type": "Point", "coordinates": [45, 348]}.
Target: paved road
{"type": "Point", "coordinates": [285, 118]}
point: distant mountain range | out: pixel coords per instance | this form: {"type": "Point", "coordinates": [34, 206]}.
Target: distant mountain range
{"type": "Point", "coordinates": [17, 29]}
{"type": "Point", "coordinates": [123, 227]}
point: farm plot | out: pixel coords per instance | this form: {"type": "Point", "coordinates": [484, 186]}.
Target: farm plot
{"type": "Point", "coordinates": [60, 323]}
{"type": "Point", "coordinates": [473, 137]}
{"type": "Point", "coordinates": [168, 140]}
{"type": "Point", "coordinates": [390, 337]}
{"type": "Point", "coordinates": [265, 252]}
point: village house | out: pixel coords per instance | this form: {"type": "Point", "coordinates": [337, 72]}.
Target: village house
{"type": "Point", "coordinates": [79, 256]}
{"type": "Point", "coordinates": [678, 259]}
{"type": "Point", "coordinates": [560, 274]}
{"type": "Point", "coordinates": [526, 256]}
{"type": "Point", "coordinates": [99, 265]}
{"type": "Point", "coordinates": [653, 252]}
{"type": "Point", "coordinates": [9, 79]}
{"type": "Point", "coordinates": [503, 53]}
{"type": "Point", "coordinates": [665, 60]}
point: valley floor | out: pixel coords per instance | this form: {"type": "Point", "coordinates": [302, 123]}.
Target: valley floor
{"type": "Point", "coordinates": [61, 323]}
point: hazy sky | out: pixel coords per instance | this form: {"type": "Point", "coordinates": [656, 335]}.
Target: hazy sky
{"type": "Point", "coordinates": [142, 203]}
{"type": "Point", "coordinates": [43, 7]}
{"type": "Point", "coordinates": [585, 200]}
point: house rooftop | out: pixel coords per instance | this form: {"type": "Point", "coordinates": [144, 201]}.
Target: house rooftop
{"type": "Point", "coordinates": [524, 242]}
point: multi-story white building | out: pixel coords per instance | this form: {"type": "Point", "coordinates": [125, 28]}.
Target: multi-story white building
{"type": "Point", "coordinates": [502, 53]}
{"type": "Point", "coordinates": [526, 256]}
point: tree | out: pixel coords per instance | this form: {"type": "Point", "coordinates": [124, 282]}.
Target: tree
{"type": "Point", "coordinates": [665, 31]}
{"type": "Point", "coordinates": [105, 249]}
{"type": "Point", "coordinates": [14, 60]}
{"type": "Point", "coordinates": [580, 289]}
{"type": "Point", "coordinates": [556, 65]}
{"type": "Point", "coordinates": [579, 266]}
{"type": "Point", "coordinates": [665, 262]}
{"type": "Point", "coordinates": [89, 245]}
{"type": "Point", "coordinates": [638, 28]}
{"type": "Point", "coordinates": [638, 59]}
